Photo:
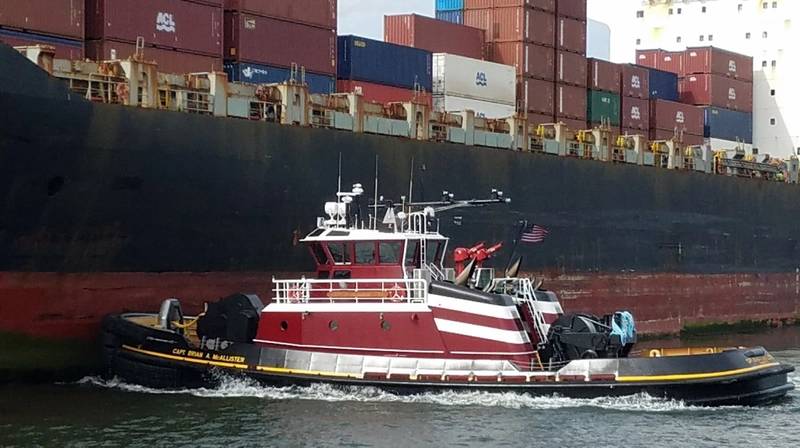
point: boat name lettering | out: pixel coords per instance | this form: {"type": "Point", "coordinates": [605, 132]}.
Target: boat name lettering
{"type": "Point", "coordinates": [206, 355]}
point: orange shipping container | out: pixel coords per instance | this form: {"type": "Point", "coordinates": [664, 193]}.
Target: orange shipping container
{"type": "Point", "coordinates": [513, 24]}
{"type": "Point", "coordinates": [436, 36]}
{"type": "Point", "coordinates": [571, 69]}
{"type": "Point", "coordinates": [531, 60]}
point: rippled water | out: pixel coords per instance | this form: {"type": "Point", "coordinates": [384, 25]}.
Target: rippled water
{"type": "Point", "coordinates": [94, 412]}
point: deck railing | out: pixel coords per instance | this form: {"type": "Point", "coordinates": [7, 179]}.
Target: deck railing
{"type": "Point", "coordinates": [351, 291]}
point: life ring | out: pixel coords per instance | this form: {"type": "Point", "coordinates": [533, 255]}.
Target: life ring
{"type": "Point", "coordinates": [655, 353]}
{"type": "Point", "coordinates": [397, 292]}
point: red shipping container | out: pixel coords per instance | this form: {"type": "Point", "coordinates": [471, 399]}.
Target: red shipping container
{"type": "Point", "coordinates": [635, 81]}
{"type": "Point", "coordinates": [536, 96]}
{"type": "Point", "coordinates": [544, 5]}
{"type": "Point", "coordinates": [635, 113]}
{"type": "Point", "coordinates": [378, 93]}
{"type": "Point", "coordinates": [648, 58]}
{"type": "Point", "coordinates": [573, 124]}
{"type": "Point", "coordinates": [169, 61]}
{"type": "Point", "coordinates": [716, 90]}
{"type": "Point", "coordinates": [571, 69]}
{"type": "Point", "coordinates": [629, 131]}
{"type": "Point", "coordinates": [65, 49]}
{"type": "Point", "coordinates": [531, 60]}
{"type": "Point", "coordinates": [63, 18]}
{"type": "Point", "coordinates": [604, 75]}
{"type": "Point", "coordinates": [513, 24]}
{"type": "Point", "coordinates": [177, 24]}
{"type": "Point", "coordinates": [537, 119]}
{"type": "Point", "coordinates": [571, 102]}
{"type": "Point", "coordinates": [436, 36]}
{"type": "Point", "coordinates": [685, 137]}
{"type": "Point", "coordinates": [670, 115]}
{"type": "Point", "coordinates": [571, 35]}
{"type": "Point", "coordinates": [575, 9]}
{"type": "Point", "coordinates": [671, 61]}
{"type": "Point", "coordinates": [321, 13]}
{"type": "Point", "coordinates": [264, 40]}
{"type": "Point", "coordinates": [719, 62]}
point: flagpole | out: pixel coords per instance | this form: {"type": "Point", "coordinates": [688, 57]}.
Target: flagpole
{"type": "Point", "coordinates": [523, 226]}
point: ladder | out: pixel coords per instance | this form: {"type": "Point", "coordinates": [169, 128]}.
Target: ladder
{"type": "Point", "coordinates": [538, 318]}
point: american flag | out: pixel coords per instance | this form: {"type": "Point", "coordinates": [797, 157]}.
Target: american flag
{"type": "Point", "coordinates": [535, 234]}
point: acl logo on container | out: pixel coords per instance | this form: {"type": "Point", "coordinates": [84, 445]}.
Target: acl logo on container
{"type": "Point", "coordinates": [481, 79]}
{"type": "Point", "coordinates": [679, 117]}
{"type": "Point", "coordinates": [636, 83]}
{"type": "Point", "coordinates": [165, 21]}
{"type": "Point", "coordinates": [731, 93]}
{"type": "Point", "coordinates": [636, 114]}
{"type": "Point", "coordinates": [732, 66]}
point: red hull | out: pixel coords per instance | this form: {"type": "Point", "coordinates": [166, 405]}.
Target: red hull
{"type": "Point", "coordinates": [59, 306]}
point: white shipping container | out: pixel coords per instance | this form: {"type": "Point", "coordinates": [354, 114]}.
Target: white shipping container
{"type": "Point", "coordinates": [483, 109]}
{"type": "Point", "coordinates": [474, 79]}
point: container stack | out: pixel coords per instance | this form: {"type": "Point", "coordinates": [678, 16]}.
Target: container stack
{"type": "Point", "coordinates": [571, 64]}
{"type": "Point", "coordinates": [461, 83]}
{"type": "Point", "coordinates": [436, 36]}
{"type": "Point", "coordinates": [180, 35]}
{"type": "Point", "coordinates": [720, 82]}
{"type": "Point", "coordinates": [635, 97]}
{"type": "Point", "coordinates": [603, 100]}
{"type": "Point", "coordinates": [57, 23]}
{"type": "Point", "coordinates": [450, 11]}
{"type": "Point", "coordinates": [264, 40]}
{"type": "Point", "coordinates": [383, 72]}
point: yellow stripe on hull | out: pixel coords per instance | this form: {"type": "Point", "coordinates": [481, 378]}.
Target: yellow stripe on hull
{"type": "Point", "coordinates": [693, 376]}
{"type": "Point", "coordinates": [229, 365]}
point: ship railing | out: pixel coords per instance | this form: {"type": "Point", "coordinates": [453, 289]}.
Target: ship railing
{"type": "Point", "coordinates": [523, 291]}
{"type": "Point", "coordinates": [351, 291]}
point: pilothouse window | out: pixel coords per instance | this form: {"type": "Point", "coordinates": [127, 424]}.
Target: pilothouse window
{"type": "Point", "coordinates": [433, 253]}
{"type": "Point", "coordinates": [412, 254]}
{"type": "Point", "coordinates": [390, 252]}
{"type": "Point", "coordinates": [319, 253]}
{"type": "Point", "coordinates": [365, 253]}
{"type": "Point", "coordinates": [339, 253]}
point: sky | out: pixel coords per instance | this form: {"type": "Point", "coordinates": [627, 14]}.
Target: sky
{"type": "Point", "coordinates": [365, 18]}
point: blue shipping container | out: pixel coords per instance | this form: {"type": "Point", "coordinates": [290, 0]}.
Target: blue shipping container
{"type": "Point", "coordinates": [727, 124]}
{"type": "Point", "coordinates": [663, 85]}
{"type": "Point", "coordinates": [264, 74]}
{"type": "Point", "coordinates": [451, 16]}
{"type": "Point", "coordinates": [379, 62]}
{"type": "Point", "coordinates": [449, 5]}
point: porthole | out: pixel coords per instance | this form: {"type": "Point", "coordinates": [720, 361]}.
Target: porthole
{"type": "Point", "coordinates": [284, 325]}
{"type": "Point", "coordinates": [333, 325]}
{"type": "Point", "coordinates": [385, 325]}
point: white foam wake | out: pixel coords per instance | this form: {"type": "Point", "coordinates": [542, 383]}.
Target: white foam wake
{"type": "Point", "coordinates": [246, 388]}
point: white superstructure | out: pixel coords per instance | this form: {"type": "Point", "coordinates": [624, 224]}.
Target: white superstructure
{"type": "Point", "coordinates": [768, 30]}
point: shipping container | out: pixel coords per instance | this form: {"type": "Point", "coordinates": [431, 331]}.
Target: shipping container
{"type": "Point", "coordinates": [264, 74]}
{"type": "Point", "coordinates": [672, 61]}
{"type": "Point", "coordinates": [635, 81]}
{"type": "Point", "coordinates": [571, 35]}
{"type": "Point", "coordinates": [724, 124]}
{"type": "Point", "coordinates": [536, 95]}
{"type": "Point", "coordinates": [64, 18]}
{"type": "Point", "coordinates": [537, 119]}
{"type": "Point", "coordinates": [383, 94]}
{"type": "Point", "coordinates": [575, 9]}
{"type": "Point", "coordinates": [572, 123]}
{"type": "Point", "coordinates": [513, 24]}
{"type": "Point", "coordinates": [320, 13]}
{"type": "Point", "coordinates": [648, 58]}
{"type": "Point", "coordinates": [630, 131]}
{"type": "Point", "coordinates": [384, 63]}
{"type": "Point", "coordinates": [474, 79]}
{"type": "Point", "coordinates": [169, 61]}
{"type": "Point", "coordinates": [663, 85]}
{"type": "Point", "coordinates": [571, 69]}
{"type": "Point", "coordinates": [716, 90]}
{"type": "Point", "coordinates": [670, 115]}
{"type": "Point", "coordinates": [71, 49]}
{"type": "Point", "coordinates": [604, 75]}
{"type": "Point", "coordinates": [684, 137]}
{"type": "Point", "coordinates": [278, 43]}
{"type": "Point", "coordinates": [635, 113]}
{"type": "Point", "coordinates": [172, 24]}
{"type": "Point", "coordinates": [530, 60]}
{"type": "Point", "coordinates": [570, 102]}
{"type": "Point", "coordinates": [719, 62]}
{"type": "Point", "coordinates": [449, 5]}
{"type": "Point", "coordinates": [451, 16]}
{"type": "Point", "coordinates": [543, 5]}
{"type": "Point", "coordinates": [603, 107]}
{"type": "Point", "coordinates": [483, 109]}
{"type": "Point", "coordinates": [436, 36]}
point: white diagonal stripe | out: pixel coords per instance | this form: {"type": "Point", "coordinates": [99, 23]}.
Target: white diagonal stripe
{"type": "Point", "coordinates": [481, 332]}
{"type": "Point", "coordinates": [467, 306]}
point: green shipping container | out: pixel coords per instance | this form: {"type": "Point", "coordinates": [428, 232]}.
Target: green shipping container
{"type": "Point", "coordinates": [603, 107]}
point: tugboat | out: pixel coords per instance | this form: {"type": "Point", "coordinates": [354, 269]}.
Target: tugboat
{"type": "Point", "coordinates": [382, 310]}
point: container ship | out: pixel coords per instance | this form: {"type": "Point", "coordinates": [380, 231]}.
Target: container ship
{"type": "Point", "coordinates": [126, 184]}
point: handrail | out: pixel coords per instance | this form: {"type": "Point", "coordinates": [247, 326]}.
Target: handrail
{"type": "Point", "coordinates": [351, 291]}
